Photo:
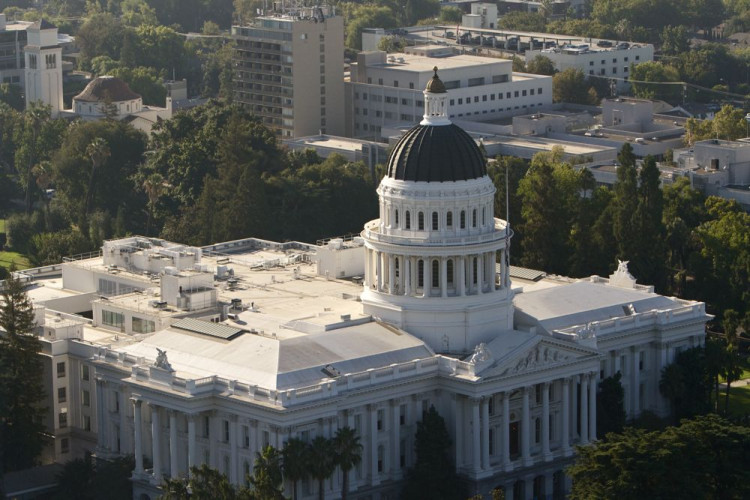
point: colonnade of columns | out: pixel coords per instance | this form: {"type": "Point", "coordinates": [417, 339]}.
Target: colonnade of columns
{"type": "Point", "coordinates": [437, 276]}
{"type": "Point", "coordinates": [576, 419]}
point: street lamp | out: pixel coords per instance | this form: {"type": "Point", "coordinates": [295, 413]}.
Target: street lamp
{"type": "Point", "coordinates": [747, 125]}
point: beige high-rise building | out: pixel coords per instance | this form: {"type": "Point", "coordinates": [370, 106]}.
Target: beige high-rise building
{"type": "Point", "coordinates": [289, 71]}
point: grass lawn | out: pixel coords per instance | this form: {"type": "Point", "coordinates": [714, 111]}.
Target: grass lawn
{"type": "Point", "coordinates": [739, 400]}
{"type": "Point", "coordinates": [6, 258]}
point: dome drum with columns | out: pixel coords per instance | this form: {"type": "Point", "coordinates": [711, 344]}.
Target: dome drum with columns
{"type": "Point", "coordinates": [431, 257]}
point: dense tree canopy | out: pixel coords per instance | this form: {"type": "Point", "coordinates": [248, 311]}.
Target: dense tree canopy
{"type": "Point", "coordinates": [707, 457]}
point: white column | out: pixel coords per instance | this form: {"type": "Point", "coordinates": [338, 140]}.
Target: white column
{"type": "Point", "coordinates": [174, 470]}
{"type": "Point", "coordinates": [635, 383]}
{"type": "Point", "coordinates": [124, 434]}
{"type": "Point", "coordinates": [486, 433]}
{"type": "Point", "coordinates": [565, 436]}
{"type": "Point", "coordinates": [545, 422]}
{"type": "Point", "coordinates": [234, 460]}
{"type": "Point", "coordinates": [101, 418]}
{"type": "Point", "coordinates": [375, 479]}
{"type": "Point", "coordinates": [191, 442]}
{"type": "Point", "coordinates": [592, 407]}
{"type": "Point", "coordinates": [379, 270]}
{"type": "Point", "coordinates": [406, 271]}
{"type": "Point", "coordinates": [480, 274]}
{"type": "Point", "coordinates": [395, 439]}
{"type": "Point", "coordinates": [156, 441]}
{"type": "Point", "coordinates": [584, 409]}
{"type": "Point", "coordinates": [368, 268]}
{"type": "Point", "coordinates": [461, 267]}
{"type": "Point", "coordinates": [391, 274]}
{"type": "Point", "coordinates": [476, 442]}
{"type": "Point", "coordinates": [508, 465]}
{"type": "Point", "coordinates": [443, 276]}
{"type": "Point", "coordinates": [137, 431]}
{"type": "Point", "coordinates": [428, 276]}
{"type": "Point", "coordinates": [526, 430]}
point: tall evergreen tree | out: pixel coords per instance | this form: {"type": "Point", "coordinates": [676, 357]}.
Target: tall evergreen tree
{"type": "Point", "coordinates": [21, 388]}
{"type": "Point", "coordinates": [649, 260]}
{"type": "Point", "coordinates": [625, 204]}
{"type": "Point", "coordinates": [433, 475]}
{"type": "Point", "coordinates": [610, 406]}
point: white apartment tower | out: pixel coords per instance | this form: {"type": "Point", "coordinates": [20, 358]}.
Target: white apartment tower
{"type": "Point", "coordinates": [43, 57]}
{"type": "Point", "coordinates": [430, 258]}
{"type": "Point", "coordinates": [289, 71]}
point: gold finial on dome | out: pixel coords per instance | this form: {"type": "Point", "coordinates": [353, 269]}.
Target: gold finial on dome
{"type": "Point", "coordinates": [435, 85]}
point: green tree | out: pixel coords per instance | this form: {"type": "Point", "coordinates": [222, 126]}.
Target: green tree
{"type": "Point", "coordinates": [433, 475]}
{"type": "Point", "coordinates": [348, 451]}
{"type": "Point", "coordinates": [72, 167]}
{"type": "Point", "coordinates": [145, 81]}
{"type": "Point", "coordinates": [728, 123]}
{"type": "Point", "coordinates": [21, 385]}
{"type": "Point", "coordinates": [706, 456]}
{"type": "Point", "coordinates": [154, 187]}
{"type": "Point", "coordinates": [686, 383]}
{"type": "Point", "coordinates": [12, 96]}
{"type": "Point", "coordinates": [294, 459]}
{"type": "Point", "coordinates": [322, 461]}
{"type": "Point", "coordinates": [522, 21]}
{"type": "Point", "coordinates": [267, 479]}
{"type": "Point", "coordinates": [449, 15]}
{"type": "Point", "coordinates": [101, 35]}
{"type": "Point", "coordinates": [36, 116]}
{"type": "Point", "coordinates": [365, 16]}
{"type": "Point", "coordinates": [421, 9]}
{"type": "Point", "coordinates": [204, 482]}
{"type": "Point", "coordinates": [650, 252]}
{"type": "Point", "coordinates": [392, 44]}
{"type": "Point", "coordinates": [541, 65]}
{"type": "Point", "coordinates": [137, 12]}
{"type": "Point", "coordinates": [98, 152]}
{"type": "Point", "coordinates": [653, 71]}
{"type": "Point", "coordinates": [570, 86]}
{"type": "Point", "coordinates": [675, 40]}
{"type": "Point", "coordinates": [610, 406]}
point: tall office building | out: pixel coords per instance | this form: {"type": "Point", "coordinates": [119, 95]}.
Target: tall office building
{"type": "Point", "coordinates": [289, 70]}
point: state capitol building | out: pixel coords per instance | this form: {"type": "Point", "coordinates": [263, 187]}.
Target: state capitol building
{"type": "Point", "coordinates": [183, 355]}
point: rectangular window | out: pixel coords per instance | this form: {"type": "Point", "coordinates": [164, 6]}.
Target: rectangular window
{"type": "Point", "coordinates": [453, 102]}
{"type": "Point", "coordinates": [411, 85]}
{"type": "Point", "coordinates": [515, 93]}
{"type": "Point", "coordinates": [62, 420]}
{"type": "Point", "coordinates": [476, 98]}
{"type": "Point", "coordinates": [475, 82]}
{"type": "Point", "coordinates": [61, 395]}
{"type": "Point", "coordinates": [86, 397]}
{"type": "Point", "coordinates": [507, 95]}
{"type": "Point", "coordinates": [523, 93]}
{"type": "Point", "coordinates": [460, 101]}
{"type": "Point", "coordinates": [381, 417]}
{"type": "Point", "coordinates": [395, 83]}
{"type": "Point", "coordinates": [87, 423]}
{"type": "Point", "coordinates": [225, 424]}
{"type": "Point", "coordinates": [492, 97]}
{"type": "Point", "coordinates": [111, 318]}
{"type": "Point", "coordinates": [539, 91]}
{"type": "Point", "coordinates": [206, 427]}
{"type": "Point", "coordinates": [141, 325]}
{"type": "Point", "coordinates": [61, 369]}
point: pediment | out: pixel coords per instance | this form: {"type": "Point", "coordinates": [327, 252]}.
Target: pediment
{"type": "Point", "coordinates": [537, 354]}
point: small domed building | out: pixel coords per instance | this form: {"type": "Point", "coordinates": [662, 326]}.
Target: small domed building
{"type": "Point", "coordinates": [107, 95]}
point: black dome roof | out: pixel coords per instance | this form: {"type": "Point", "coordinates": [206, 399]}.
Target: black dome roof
{"type": "Point", "coordinates": [436, 153]}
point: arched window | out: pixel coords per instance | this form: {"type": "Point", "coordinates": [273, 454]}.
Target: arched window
{"type": "Point", "coordinates": [463, 219]}
{"type": "Point", "coordinates": [420, 273]}
{"type": "Point", "coordinates": [396, 217]}
{"type": "Point", "coordinates": [421, 221]}
{"type": "Point", "coordinates": [408, 220]}
{"type": "Point", "coordinates": [474, 218]}
{"type": "Point", "coordinates": [435, 273]}
{"type": "Point", "coordinates": [449, 219]}
{"type": "Point", "coordinates": [450, 272]}
{"type": "Point", "coordinates": [435, 221]}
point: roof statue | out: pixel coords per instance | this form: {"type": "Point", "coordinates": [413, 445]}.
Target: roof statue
{"type": "Point", "coordinates": [481, 354]}
{"type": "Point", "coordinates": [622, 277]}
{"type": "Point", "coordinates": [161, 360]}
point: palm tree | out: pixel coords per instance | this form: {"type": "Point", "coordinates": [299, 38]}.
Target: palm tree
{"type": "Point", "coordinates": [154, 187]}
{"type": "Point", "coordinates": [267, 479]}
{"type": "Point", "coordinates": [348, 452]}
{"type": "Point", "coordinates": [98, 151]}
{"type": "Point", "coordinates": [43, 173]}
{"type": "Point", "coordinates": [322, 463]}
{"type": "Point", "coordinates": [294, 462]}
{"type": "Point", "coordinates": [35, 116]}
